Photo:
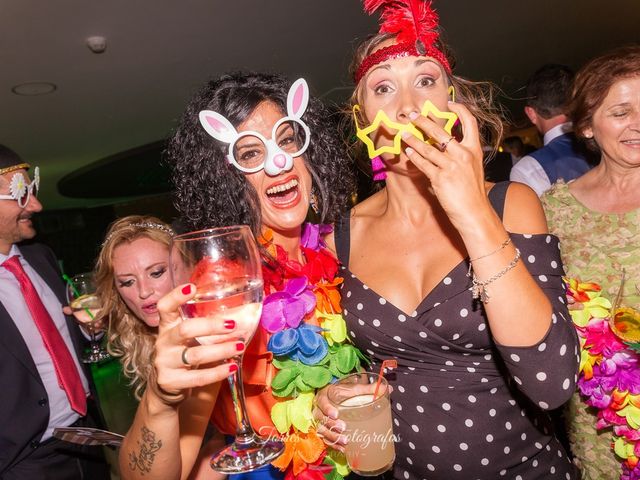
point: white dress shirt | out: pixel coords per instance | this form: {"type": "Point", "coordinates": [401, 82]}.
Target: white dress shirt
{"type": "Point", "coordinates": [60, 412]}
{"type": "Point", "coordinates": [529, 171]}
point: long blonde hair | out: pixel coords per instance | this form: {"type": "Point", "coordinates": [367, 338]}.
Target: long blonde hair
{"type": "Point", "coordinates": [128, 336]}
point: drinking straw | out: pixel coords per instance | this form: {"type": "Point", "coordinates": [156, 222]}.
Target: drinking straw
{"type": "Point", "coordinates": [385, 364]}
{"type": "Point", "coordinates": [76, 293]}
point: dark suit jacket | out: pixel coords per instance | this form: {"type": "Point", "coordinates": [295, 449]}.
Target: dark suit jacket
{"type": "Point", "coordinates": [24, 406]}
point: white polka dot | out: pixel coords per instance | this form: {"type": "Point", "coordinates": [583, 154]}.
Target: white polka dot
{"type": "Point", "coordinates": [349, 294]}
{"type": "Point", "coordinates": [493, 390]}
{"type": "Point", "coordinates": [360, 322]}
{"type": "Point", "coordinates": [423, 334]}
{"type": "Point", "coordinates": [542, 278]}
{"type": "Point", "coordinates": [488, 357]}
{"type": "Point", "coordinates": [442, 428]}
{"type": "Point", "coordinates": [376, 322]}
{"type": "Point", "coordinates": [484, 461]}
{"type": "Point", "coordinates": [515, 358]}
{"type": "Point", "coordinates": [419, 408]}
{"type": "Point", "coordinates": [538, 445]}
{"type": "Point", "coordinates": [527, 235]}
{"type": "Point", "coordinates": [382, 301]}
{"type": "Point", "coordinates": [414, 313]}
{"type": "Point", "coordinates": [415, 428]}
{"type": "Point", "coordinates": [489, 438]}
{"type": "Point", "coordinates": [402, 318]}
{"type": "Point", "coordinates": [397, 338]}
{"type": "Point", "coordinates": [531, 259]}
{"type": "Point", "coordinates": [400, 388]}
{"type": "Point", "coordinates": [482, 327]}
{"type": "Point", "coordinates": [444, 347]}
{"type": "Point", "coordinates": [517, 380]}
{"type": "Point", "coordinates": [524, 459]}
{"type": "Point", "coordinates": [359, 306]}
{"type": "Point", "coordinates": [409, 461]}
{"type": "Point", "coordinates": [396, 422]}
{"type": "Point", "coordinates": [412, 446]}
{"type": "Point", "coordinates": [457, 467]}
{"type": "Point", "coordinates": [484, 380]}
{"type": "Point", "coordinates": [423, 389]}
{"type": "Point", "coordinates": [399, 407]}
{"type": "Point", "coordinates": [436, 449]}
{"type": "Point", "coordinates": [464, 312]}
{"type": "Point", "coordinates": [352, 334]}
{"type": "Point", "coordinates": [406, 475]}
{"type": "Point", "coordinates": [548, 239]}
{"type": "Point", "coordinates": [370, 352]}
{"type": "Point", "coordinates": [507, 425]}
{"type": "Point", "coordinates": [512, 403]}
{"type": "Point", "coordinates": [503, 473]}
{"type": "Point", "coordinates": [437, 322]}
{"type": "Point", "coordinates": [455, 336]}
{"type": "Point", "coordinates": [374, 344]}
{"type": "Point", "coordinates": [542, 347]}
{"type": "Point", "coordinates": [553, 470]}
{"type": "Point", "coordinates": [561, 300]}
{"type": "Point", "coordinates": [471, 398]}
{"type": "Point", "coordinates": [446, 406]}
{"type": "Point", "coordinates": [518, 477]}
{"type": "Point", "coordinates": [346, 312]}
{"type": "Point", "coordinates": [365, 287]}
{"type": "Point", "coordinates": [449, 363]}
{"type": "Point", "coordinates": [534, 463]}
{"type": "Point", "coordinates": [563, 350]}
{"type": "Point", "coordinates": [541, 376]}
{"type": "Point", "coordinates": [468, 422]}
{"type": "Point", "coordinates": [471, 369]}
{"type": "Point", "coordinates": [436, 304]}
{"type": "Point", "coordinates": [506, 450]}
{"type": "Point", "coordinates": [543, 404]}
{"type": "Point", "coordinates": [430, 467]}
{"type": "Point", "coordinates": [447, 281]}
{"type": "Point", "coordinates": [468, 345]}
{"type": "Point", "coordinates": [554, 264]}
{"type": "Point", "coordinates": [566, 384]}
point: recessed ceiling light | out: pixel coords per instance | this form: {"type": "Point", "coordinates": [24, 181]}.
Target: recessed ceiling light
{"type": "Point", "coordinates": [32, 89]}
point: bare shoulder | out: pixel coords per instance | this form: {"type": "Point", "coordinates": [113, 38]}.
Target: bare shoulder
{"type": "Point", "coordinates": [523, 212]}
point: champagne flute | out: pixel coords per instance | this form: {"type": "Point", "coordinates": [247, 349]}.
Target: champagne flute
{"type": "Point", "coordinates": [84, 302]}
{"type": "Point", "coordinates": [224, 265]}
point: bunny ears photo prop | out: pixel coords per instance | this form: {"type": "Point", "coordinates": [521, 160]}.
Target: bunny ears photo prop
{"type": "Point", "coordinates": [250, 151]}
{"type": "Point", "coordinates": [415, 27]}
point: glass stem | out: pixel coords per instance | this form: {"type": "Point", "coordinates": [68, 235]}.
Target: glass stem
{"type": "Point", "coordinates": [244, 433]}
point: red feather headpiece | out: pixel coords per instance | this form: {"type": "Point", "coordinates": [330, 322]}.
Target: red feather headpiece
{"type": "Point", "coordinates": [414, 24]}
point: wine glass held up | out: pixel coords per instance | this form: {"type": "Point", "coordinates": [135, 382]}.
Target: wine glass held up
{"type": "Point", "coordinates": [84, 303]}
{"type": "Point", "coordinates": [224, 265]}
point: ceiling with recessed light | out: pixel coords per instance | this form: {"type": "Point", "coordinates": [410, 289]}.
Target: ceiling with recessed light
{"type": "Point", "coordinates": [159, 51]}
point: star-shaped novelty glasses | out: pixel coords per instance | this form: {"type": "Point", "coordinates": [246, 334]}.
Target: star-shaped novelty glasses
{"type": "Point", "coordinates": [381, 118]}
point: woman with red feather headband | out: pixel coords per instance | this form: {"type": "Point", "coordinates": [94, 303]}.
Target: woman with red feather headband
{"type": "Point", "coordinates": [454, 277]}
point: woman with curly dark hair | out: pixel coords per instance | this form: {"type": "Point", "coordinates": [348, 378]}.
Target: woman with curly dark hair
{"type": "Point", "coordinates": [251, 149]}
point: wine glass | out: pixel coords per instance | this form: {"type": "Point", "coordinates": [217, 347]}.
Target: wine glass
{"type": "Point", "coordinates": [224, 265]}
{"type": "Point", "coordinates": [82, 298]}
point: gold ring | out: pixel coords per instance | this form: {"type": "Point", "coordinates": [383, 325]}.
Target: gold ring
{"type": "Point", "coordinates": [184, 357]}
{"type": "Point", "coordinates": [445, 144]}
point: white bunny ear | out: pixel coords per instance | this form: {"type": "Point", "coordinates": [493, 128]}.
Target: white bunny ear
{"type": "Point", "coordinates": [298, 98]}
{"type": "Point", "coordinates": [217, 126]}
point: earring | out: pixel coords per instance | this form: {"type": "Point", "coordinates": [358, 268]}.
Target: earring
{"type": "Point", "coordinates": [452, 93]}
{"type": "Point", "coordinates": [313, 201]}
{"type": "Point", "coordinates": [379, 169]}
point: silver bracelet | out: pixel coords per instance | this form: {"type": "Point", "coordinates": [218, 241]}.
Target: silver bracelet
{"type": "Point", "coordinates": [502, 246]}
{"type": "Point", "coordinates": [479, 287]}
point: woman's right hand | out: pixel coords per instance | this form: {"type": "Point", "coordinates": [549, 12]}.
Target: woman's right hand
{"type": "Point", "coordinates": [328, 425]}
{"type": "Point", "coordinates": [176, 344]}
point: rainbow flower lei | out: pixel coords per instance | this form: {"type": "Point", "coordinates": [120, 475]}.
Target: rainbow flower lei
{"type": "Point", "coordinates": [609, 378]}
{"type": "Point", "coordinates": [311, 349]}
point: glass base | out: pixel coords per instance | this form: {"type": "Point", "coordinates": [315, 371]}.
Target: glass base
{"type": "Point", "coordinates": [238, 458]}
{"type": "Point", "coordinates": [95, 354]}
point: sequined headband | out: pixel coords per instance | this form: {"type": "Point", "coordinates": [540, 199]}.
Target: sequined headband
{"type": "Point", "coordinates": [13, 168]}
{"type": "Point", "coordinates": [413, 24]}
{"type": "Point", "coordinates": [152, 225]}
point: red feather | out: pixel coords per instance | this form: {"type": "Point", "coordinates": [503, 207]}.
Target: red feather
{"type": "Point", "coordinates": [407, 19]}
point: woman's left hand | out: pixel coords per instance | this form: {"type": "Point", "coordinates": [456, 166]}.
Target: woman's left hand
{"type": "Point", "coordinates": [453, 168]}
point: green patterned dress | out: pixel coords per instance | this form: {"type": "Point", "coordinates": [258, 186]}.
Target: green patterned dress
{"type": "Point", "coordinates": [595, 247]}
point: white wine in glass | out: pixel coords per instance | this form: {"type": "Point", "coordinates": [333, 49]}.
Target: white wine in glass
{"type": "Point", "coordinates": [224, 265]}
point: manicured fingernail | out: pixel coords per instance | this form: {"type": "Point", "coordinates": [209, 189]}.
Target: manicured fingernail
{"type": "Point", "coordinates": [405, 134]}
{"type": "Point", "coordinates": [342, 439]}
{"type": "Point", "coordinates": [240, 346]}
{"type": "Point", "coordinates": [186, 290]}
{"type": "Point", "coordinates": [229, 324]}
{"type": "Point", "coordinates": [341, 426]}
{"type": "Point", "coordinates": [413, 115]}
{"type": "Point", "coordinates": [233, 368]}
{"type": "Point", "coordinates": [409, 150]}
{"type": "Point", "coordinates": [451, 102]}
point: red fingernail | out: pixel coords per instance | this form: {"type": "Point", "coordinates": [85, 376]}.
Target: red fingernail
{"type": "Point", "coordinates": [229, 324]}
{"type": "Point", "coordinates": [186, 290]}
{"type": "Point", "coordinates": [233, 368]}
{"type": "Point", "coordinates": [239, 346]}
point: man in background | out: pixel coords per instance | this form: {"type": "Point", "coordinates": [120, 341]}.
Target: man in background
{"type": "Point", "coordinates": [42, 383]}
{"type": "Point", "coordinates": [548, 92]}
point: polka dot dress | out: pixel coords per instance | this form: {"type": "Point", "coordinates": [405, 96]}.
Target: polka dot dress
{"type": "Point", "coordinates": [463, 406]}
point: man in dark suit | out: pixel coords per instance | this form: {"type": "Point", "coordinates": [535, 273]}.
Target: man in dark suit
{"type": "Point", "coordinates": [42, 383]}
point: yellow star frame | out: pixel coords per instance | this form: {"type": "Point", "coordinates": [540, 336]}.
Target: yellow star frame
{"type": "Point", "coordinates": [382, 118]}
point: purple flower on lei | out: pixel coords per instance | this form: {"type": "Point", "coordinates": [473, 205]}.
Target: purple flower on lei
{"type": "Point", "coordinates": [288, 307]}
{"type": "Point", "coordinates": [312, 235]}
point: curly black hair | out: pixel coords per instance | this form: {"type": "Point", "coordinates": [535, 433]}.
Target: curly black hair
{"type": "Point", "coordinates": [210, 192]}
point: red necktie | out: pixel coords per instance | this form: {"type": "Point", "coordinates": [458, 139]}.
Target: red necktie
{"type": "Point", "coordinates": [66, 371]}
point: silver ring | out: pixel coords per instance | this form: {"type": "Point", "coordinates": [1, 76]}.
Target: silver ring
{"type": "Point", "coordinates": [184, 357]}
{"type": "Point", "coordinates": [445, 144]}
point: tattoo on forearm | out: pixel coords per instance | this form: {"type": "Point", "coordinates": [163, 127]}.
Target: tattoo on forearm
{"type": "Point", "coordinates": [143, 460]}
